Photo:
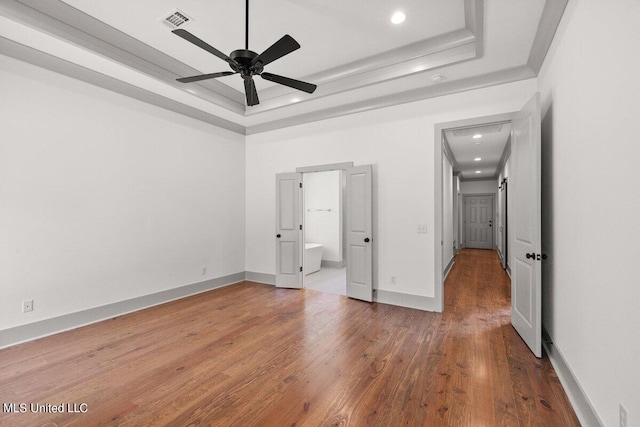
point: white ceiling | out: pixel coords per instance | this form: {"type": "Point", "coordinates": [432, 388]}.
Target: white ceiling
{"type": "Point", "coordinates": [358, 59]}
{"type": "Point", "coordinates": [489, 148]}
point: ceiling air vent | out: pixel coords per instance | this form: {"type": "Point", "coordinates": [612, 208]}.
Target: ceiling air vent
{"type": "Point", "coordinates": [485, 129]}
{"type": "Point", "coordinates": [176, 19]}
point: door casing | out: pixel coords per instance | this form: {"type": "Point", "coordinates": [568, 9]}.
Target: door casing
{"type": "Point", "coordinates": [344, 167]}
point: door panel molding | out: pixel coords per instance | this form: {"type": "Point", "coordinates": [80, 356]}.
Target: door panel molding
{"type": "Point", "coordinates": [288, 233]}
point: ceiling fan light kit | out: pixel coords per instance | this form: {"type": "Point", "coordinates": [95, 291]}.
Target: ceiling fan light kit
{"type": "Point", "coordinates": [248, 63]}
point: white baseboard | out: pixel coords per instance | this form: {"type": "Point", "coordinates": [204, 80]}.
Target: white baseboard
{"type": "Point", "coordinates": [448, 268]}
{"type": "Point", "coordinates": [332, 264]}
{"type": "Point", "coordinates": [581, 405]}
{"type": "Point", "coordinates": [267, 279]}
{"type": "Point", "coordinates": [382, 296]}
{"type": "Point", "coordinates": [43, 328]}
{"type": "Point", "coordinates": [405, 300]}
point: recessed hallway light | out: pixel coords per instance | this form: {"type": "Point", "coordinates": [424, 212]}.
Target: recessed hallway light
{"type": "Point", "coordinates": [477, 136]}
{"type": "Point", "coordinates": [398, 17]}
{"type": "Point", "coordinates": [477, 159]}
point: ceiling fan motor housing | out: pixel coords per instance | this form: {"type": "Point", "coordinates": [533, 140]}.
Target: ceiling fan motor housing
{"type": "Point", "coordinates": [244, 65]}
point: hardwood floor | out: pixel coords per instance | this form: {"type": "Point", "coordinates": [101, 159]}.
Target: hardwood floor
{"type": "Point", "coordinates": [253, 355]}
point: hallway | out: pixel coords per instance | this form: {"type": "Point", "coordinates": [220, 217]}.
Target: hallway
{"type": "Point", "coordinates": [492, 367]}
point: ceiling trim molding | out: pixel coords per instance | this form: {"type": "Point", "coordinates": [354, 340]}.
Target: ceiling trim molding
{"type": "Point", "coordinates": [474, 22]}
{"type": "Point", "coordinates": [446, 88]}
{"type": "Point", "coordinates": [69, 69]}
{"type": "Point", "coordinates": [66, 23]}
{"type": "Point", "coordinates": [547, 27]}
{"type": "Point", "coordinates": [460, 47]}
{"type": "Point", "coordinates": [74, 26]}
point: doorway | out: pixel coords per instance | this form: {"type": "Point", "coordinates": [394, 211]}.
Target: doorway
{"type": "Point", "coordinates": [523, 237]}
{"type": "Point", "coordinates": [323, 232]}
{"type": "Point", "coordinates": [358, 228]}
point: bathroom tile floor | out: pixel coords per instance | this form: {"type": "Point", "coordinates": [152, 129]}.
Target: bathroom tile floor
{"type": "Point", "coordinates": [330, 280]}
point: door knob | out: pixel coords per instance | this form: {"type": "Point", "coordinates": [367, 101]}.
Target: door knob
{"type": "Point", "coordinates": [366, 239]}
{"type": "Point", "coordinates": [532, 255]}
{"type": "Point", "coordinates": [278, 236]}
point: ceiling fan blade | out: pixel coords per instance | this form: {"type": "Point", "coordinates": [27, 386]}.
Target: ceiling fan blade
{"type": "Point", "coordinates": [201, 44]}
{"type": "Point", "coordinates": [204, 77]}
{"type": "Point", "coordinates": [296, 84]}
{"type": "Point", "coordinates": [251, 93]}
{"type": "Point", "coordinates": [282, 47]}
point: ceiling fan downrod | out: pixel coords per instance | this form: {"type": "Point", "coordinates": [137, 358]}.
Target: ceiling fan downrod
{"type": "Point", "coordinates": [246, 27]}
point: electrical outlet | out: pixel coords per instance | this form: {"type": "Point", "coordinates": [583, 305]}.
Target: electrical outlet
{"type": "Point", "coordinates": [27, 306]}
{"type": "Point", "coordinates": [422, 228]}
{"type": "Point", "coordinates": [623, 416]}
{"type": "Point", "coordinates": [204, 271]}
{"type": "Point", "coordinates": [393, 280]}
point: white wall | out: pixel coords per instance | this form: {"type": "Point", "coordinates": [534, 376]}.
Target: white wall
{"type": "Point", "coordinates": [399, 142]}
{"type": "Point", "coordinates": [447, 211]}
{"type": "Point", "coordinates": [457, 197]}
{"type": "Point", "coordinates": [591, 291]}
{"type": "Point", "coordinates": [503, 217]}
{"type": "Point", "coordinates": [104, 198]}
{"type": "Point", "coordinates": [485, 186]}
{"type": "Point", "coordinates": [322, 212]}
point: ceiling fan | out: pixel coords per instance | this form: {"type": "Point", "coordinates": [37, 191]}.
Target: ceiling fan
{"type": "Point", "coordinates": [248, 63]}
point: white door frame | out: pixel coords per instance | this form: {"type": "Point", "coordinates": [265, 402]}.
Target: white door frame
{"type": "Point", "coordinates": [344, 167]}
{"type": "Point", "coordinates": [438, 194]}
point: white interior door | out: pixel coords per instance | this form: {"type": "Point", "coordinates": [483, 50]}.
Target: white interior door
{"type": "Point", "coordinates": [526, 313]}
{"type": "Point", "coordinates": [358, 233]}
{"type": "Point", "coordinates": [288, 230]}
{"type": "Point", "coordinates": [479, 222]}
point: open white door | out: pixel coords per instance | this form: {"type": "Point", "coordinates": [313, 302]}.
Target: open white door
{"type": "Point", "coordinates": [526, 313]}
{"type": "Point", "coordinates": [288, 231]}
{"type": "Point", "coordinates": [358, 235]}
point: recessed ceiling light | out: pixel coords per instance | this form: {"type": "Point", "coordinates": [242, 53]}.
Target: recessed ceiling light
{"type": "Point", "coordinates": [478, 171]}
{"type": "Point", "coordinates": [398, 17]}
{"type": "Point", "coordinates": [477, 136]}
{"type": "Point", "coordinates": [477, 159]}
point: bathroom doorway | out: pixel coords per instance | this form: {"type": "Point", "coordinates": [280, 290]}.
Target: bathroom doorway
{"type": "Point", "coordinates": [356, 213]}
{"type": "Point", "coordinates": [323, 231]}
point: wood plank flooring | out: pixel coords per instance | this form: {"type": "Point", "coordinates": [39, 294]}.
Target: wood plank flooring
{"type": "Point", "coordinates": [253, 355]}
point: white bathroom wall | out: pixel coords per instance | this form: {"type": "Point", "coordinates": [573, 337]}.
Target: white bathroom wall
{"type": "Point", "coordinates": [399, 142]}
{"type": "Point", "coordinates": [322, 212]}
{"type": "Point", "coordinates": [590, 95]}
{"type": "Point", "coordinates": [104, 198]}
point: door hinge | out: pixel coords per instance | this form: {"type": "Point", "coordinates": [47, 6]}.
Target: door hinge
{"type": "Point", "coordinates": [300, 269]}
{"type": "Point", "coordinates": [300, 185]}
{"type": "Point", "coordinates": [300, 226]}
